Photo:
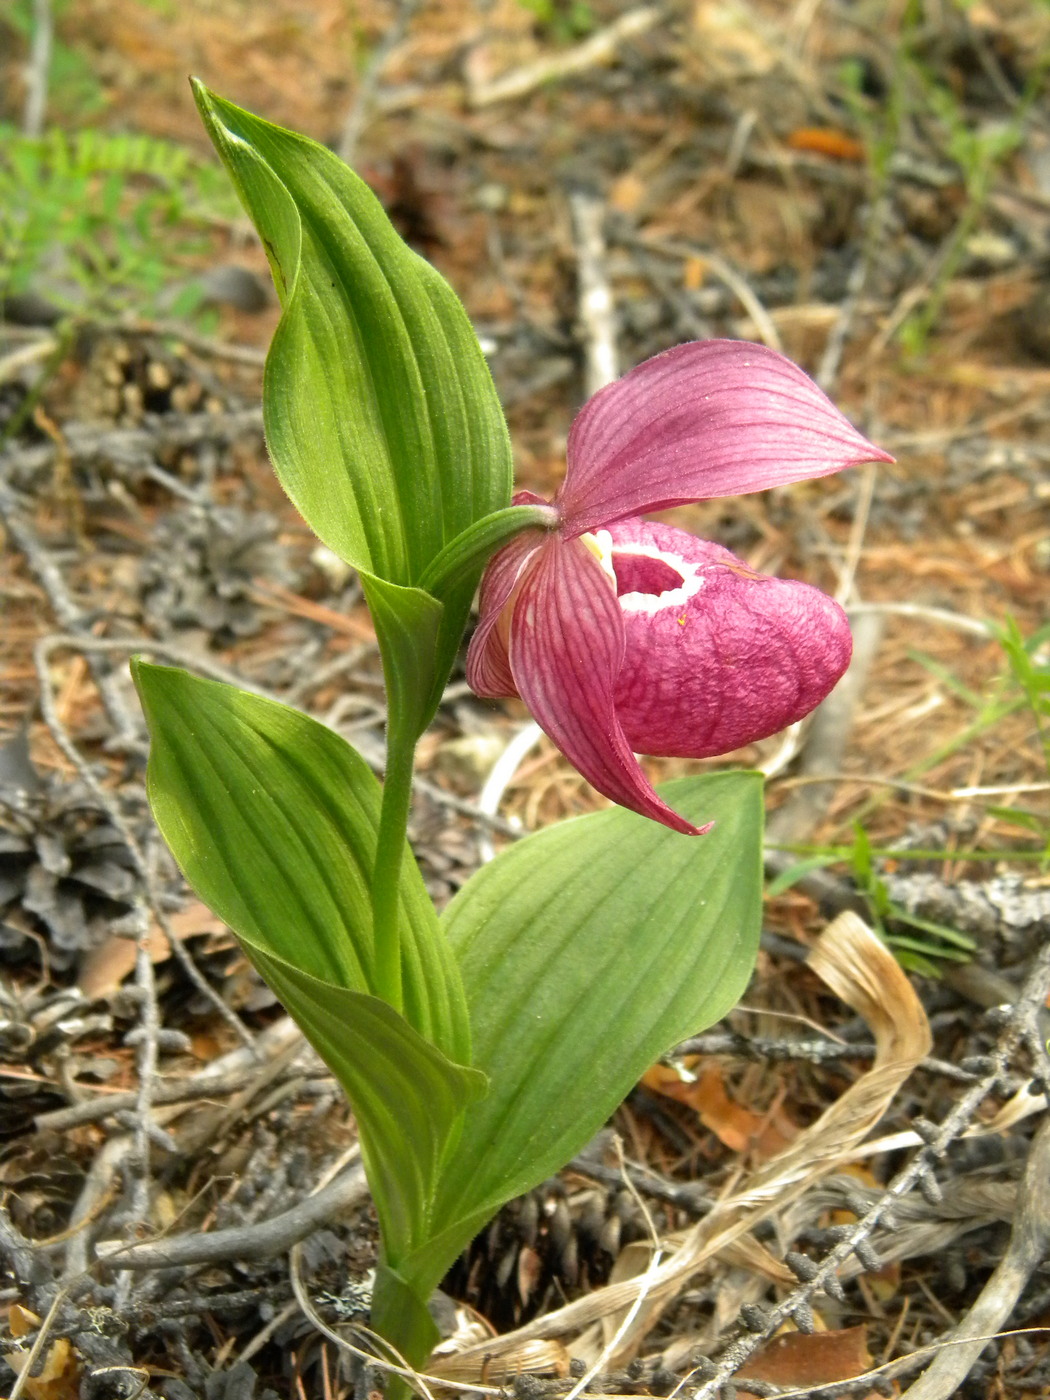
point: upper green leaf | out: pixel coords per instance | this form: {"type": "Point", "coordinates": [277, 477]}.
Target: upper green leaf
{"type": "Point", "coordinates": [381, 416]}
{"type": "Point", "coordinates": [273, 819]}
{"type": "Point", "coordinates": [589, 950]}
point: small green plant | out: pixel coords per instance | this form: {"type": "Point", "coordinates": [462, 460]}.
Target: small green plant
{"type": "Point", "coordinates": [1029, 661]}
{"type": "Point", "coordinates": [917, 98]}
{"type": "Point", "coordinates": [895, 924]}
{"type": "Point", "coordinates": [94, 223]}
{"type": "Point", "coordinates": [941, 943]}
{"type": "Point", "coordinates": [978, 152]}
{"type": "Point", "coordinates": [562, 21]}
{"type": "Point", "coordinates": [74, 90]}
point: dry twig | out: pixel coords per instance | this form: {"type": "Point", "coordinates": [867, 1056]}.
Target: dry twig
{"type": "Point", "coordinates": [599, 48]}
{"type": "Point", "coordinates": [265, 1239]}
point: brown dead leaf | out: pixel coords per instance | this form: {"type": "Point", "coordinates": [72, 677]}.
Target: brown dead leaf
{"type": "Point", "coordinates": [627, 193]}
{"type": "Point", "coordinates": [826, 141]}
{"type": "Point", "coordinates": [739, 1128]}
{"type": "Point", "coordinates": [21, 1321]}
{"type": "Point", "coordinates": [106, 966]}
{"type": "Point", "coordinates": [493, 1364]}
{"type": "Point", "coordinates": [797, 1359]}
{"type": "Point", "coordinates": [57, 1379]}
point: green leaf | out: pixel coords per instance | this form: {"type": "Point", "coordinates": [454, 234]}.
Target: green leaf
{"type": "Point", "coordinates": [407, 1096]}
{"type": "Point", "coordinates": [401, 1317]}
{"type": "Point", "coordinates": [409, 627]}
{"type": "Point", "coordinates": [468, 552]}
{"type": "Point", "coordinates": [381, 416]}
{"type": "Point", "coordinates": [273, 819]}
{"type": "Point", "coordinates": [588, 950]}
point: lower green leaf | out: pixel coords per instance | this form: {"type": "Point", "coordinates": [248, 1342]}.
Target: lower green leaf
{"type": "Point", "coordinates": [273, 819]}
{"type": "Point", "coordinates": [587, 951]}
{"type": "Point", "coordinates": [408, 1098]}
{"type": "Point", "coordinates": [402, 1318]}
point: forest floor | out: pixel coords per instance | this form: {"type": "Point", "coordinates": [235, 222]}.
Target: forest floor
{"type": "Point", "coordinates": [865, 186]}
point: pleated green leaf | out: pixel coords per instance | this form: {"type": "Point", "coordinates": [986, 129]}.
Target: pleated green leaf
{"type": "Point", "coordinates": [273, 819]}
{"type": "Point", "coordinates": [381, 415]}
{"type": "Point", "coordinates": [407, 1096]}
{"type": "Point", "coordinates": [588, 950]}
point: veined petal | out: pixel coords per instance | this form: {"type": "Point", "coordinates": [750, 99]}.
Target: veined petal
{"type": "Point", "coordinates": [566, 647]}
{"type": "Point", "coordinates": [488, 668]}
{"type": "Point", "coordinates": [710, 418]}
{"type": "Point", "coordinates": [726, 657]}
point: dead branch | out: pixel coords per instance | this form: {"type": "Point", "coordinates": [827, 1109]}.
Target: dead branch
{"type": "Point", "coordinates": [38, 69]}
{"type": "Point", "coordinates": [1029, 1243]}
{"type": "Point", "coordinates": [825, 745]}
{"type": "Point", "coordinates": [369, 80]}
{"type": "Point", "coordinates": [815, 1052]}
{"type": "Point", "coordinates": [263, 1240]}
{"type": "Point", "coordinates": [596, 306]}
{"type": "Point", "coordinates": [222, 1077]}
{"type": "Point", "coordinates": [598, 49]}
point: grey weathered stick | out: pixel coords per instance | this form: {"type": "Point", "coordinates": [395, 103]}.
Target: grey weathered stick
{"type": "Point", "coordinates": [597, 307]}
{"type": "Point", "coordinates": [222, 1077]}
{"type": "Point", "coordinates": [368, 83]}
{"type": "Point", "coordinates": [38, 69]}
{"type": "Point", "coordinates": [595, 50]}
{"type": "Point", "coordinates": [1029, 1244]}
{"type": "Point", "coordinates": [1020, 1029]}
{"type": "Point", "coordinates": [596, 314]}
{"type": "Point", "coordinates": [826, 743]}
{"type": "Point", "coordinates": [766, 1047]}
{"type": "Point", "coordinates": [26, 1261]}
{"type": "Point", "coordinates": [263, 1240]}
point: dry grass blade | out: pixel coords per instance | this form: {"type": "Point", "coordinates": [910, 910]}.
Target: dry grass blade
{"type": "Point", "coordinates": [861, 970]}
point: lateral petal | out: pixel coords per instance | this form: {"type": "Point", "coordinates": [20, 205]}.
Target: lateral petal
{"type": "Point", "coordinates": [488, 667]}
{"type": "Point", "coordinates": [705, 419]}
{"type": "Point", "coordinates": [566, 648]}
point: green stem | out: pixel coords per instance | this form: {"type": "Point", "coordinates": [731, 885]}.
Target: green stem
{"type": "Point", "coordinates": [386, 876]}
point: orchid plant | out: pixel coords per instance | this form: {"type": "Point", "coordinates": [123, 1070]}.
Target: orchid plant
{"type": "Point", "coordinates": [475, 1047]}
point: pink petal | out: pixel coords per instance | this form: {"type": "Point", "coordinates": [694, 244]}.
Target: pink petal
{"type": "Point", "coordinates": [710, 418]}
{"type": "Point", "coordinates": [488, 669]}
{"type": "Point", "coordinates": [742, 658]}
{"type": "Point", "coordinates": [566, 649]}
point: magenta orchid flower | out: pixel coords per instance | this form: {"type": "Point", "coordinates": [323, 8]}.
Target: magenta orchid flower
{"type": "Point", "coordinates": [625, 636]}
